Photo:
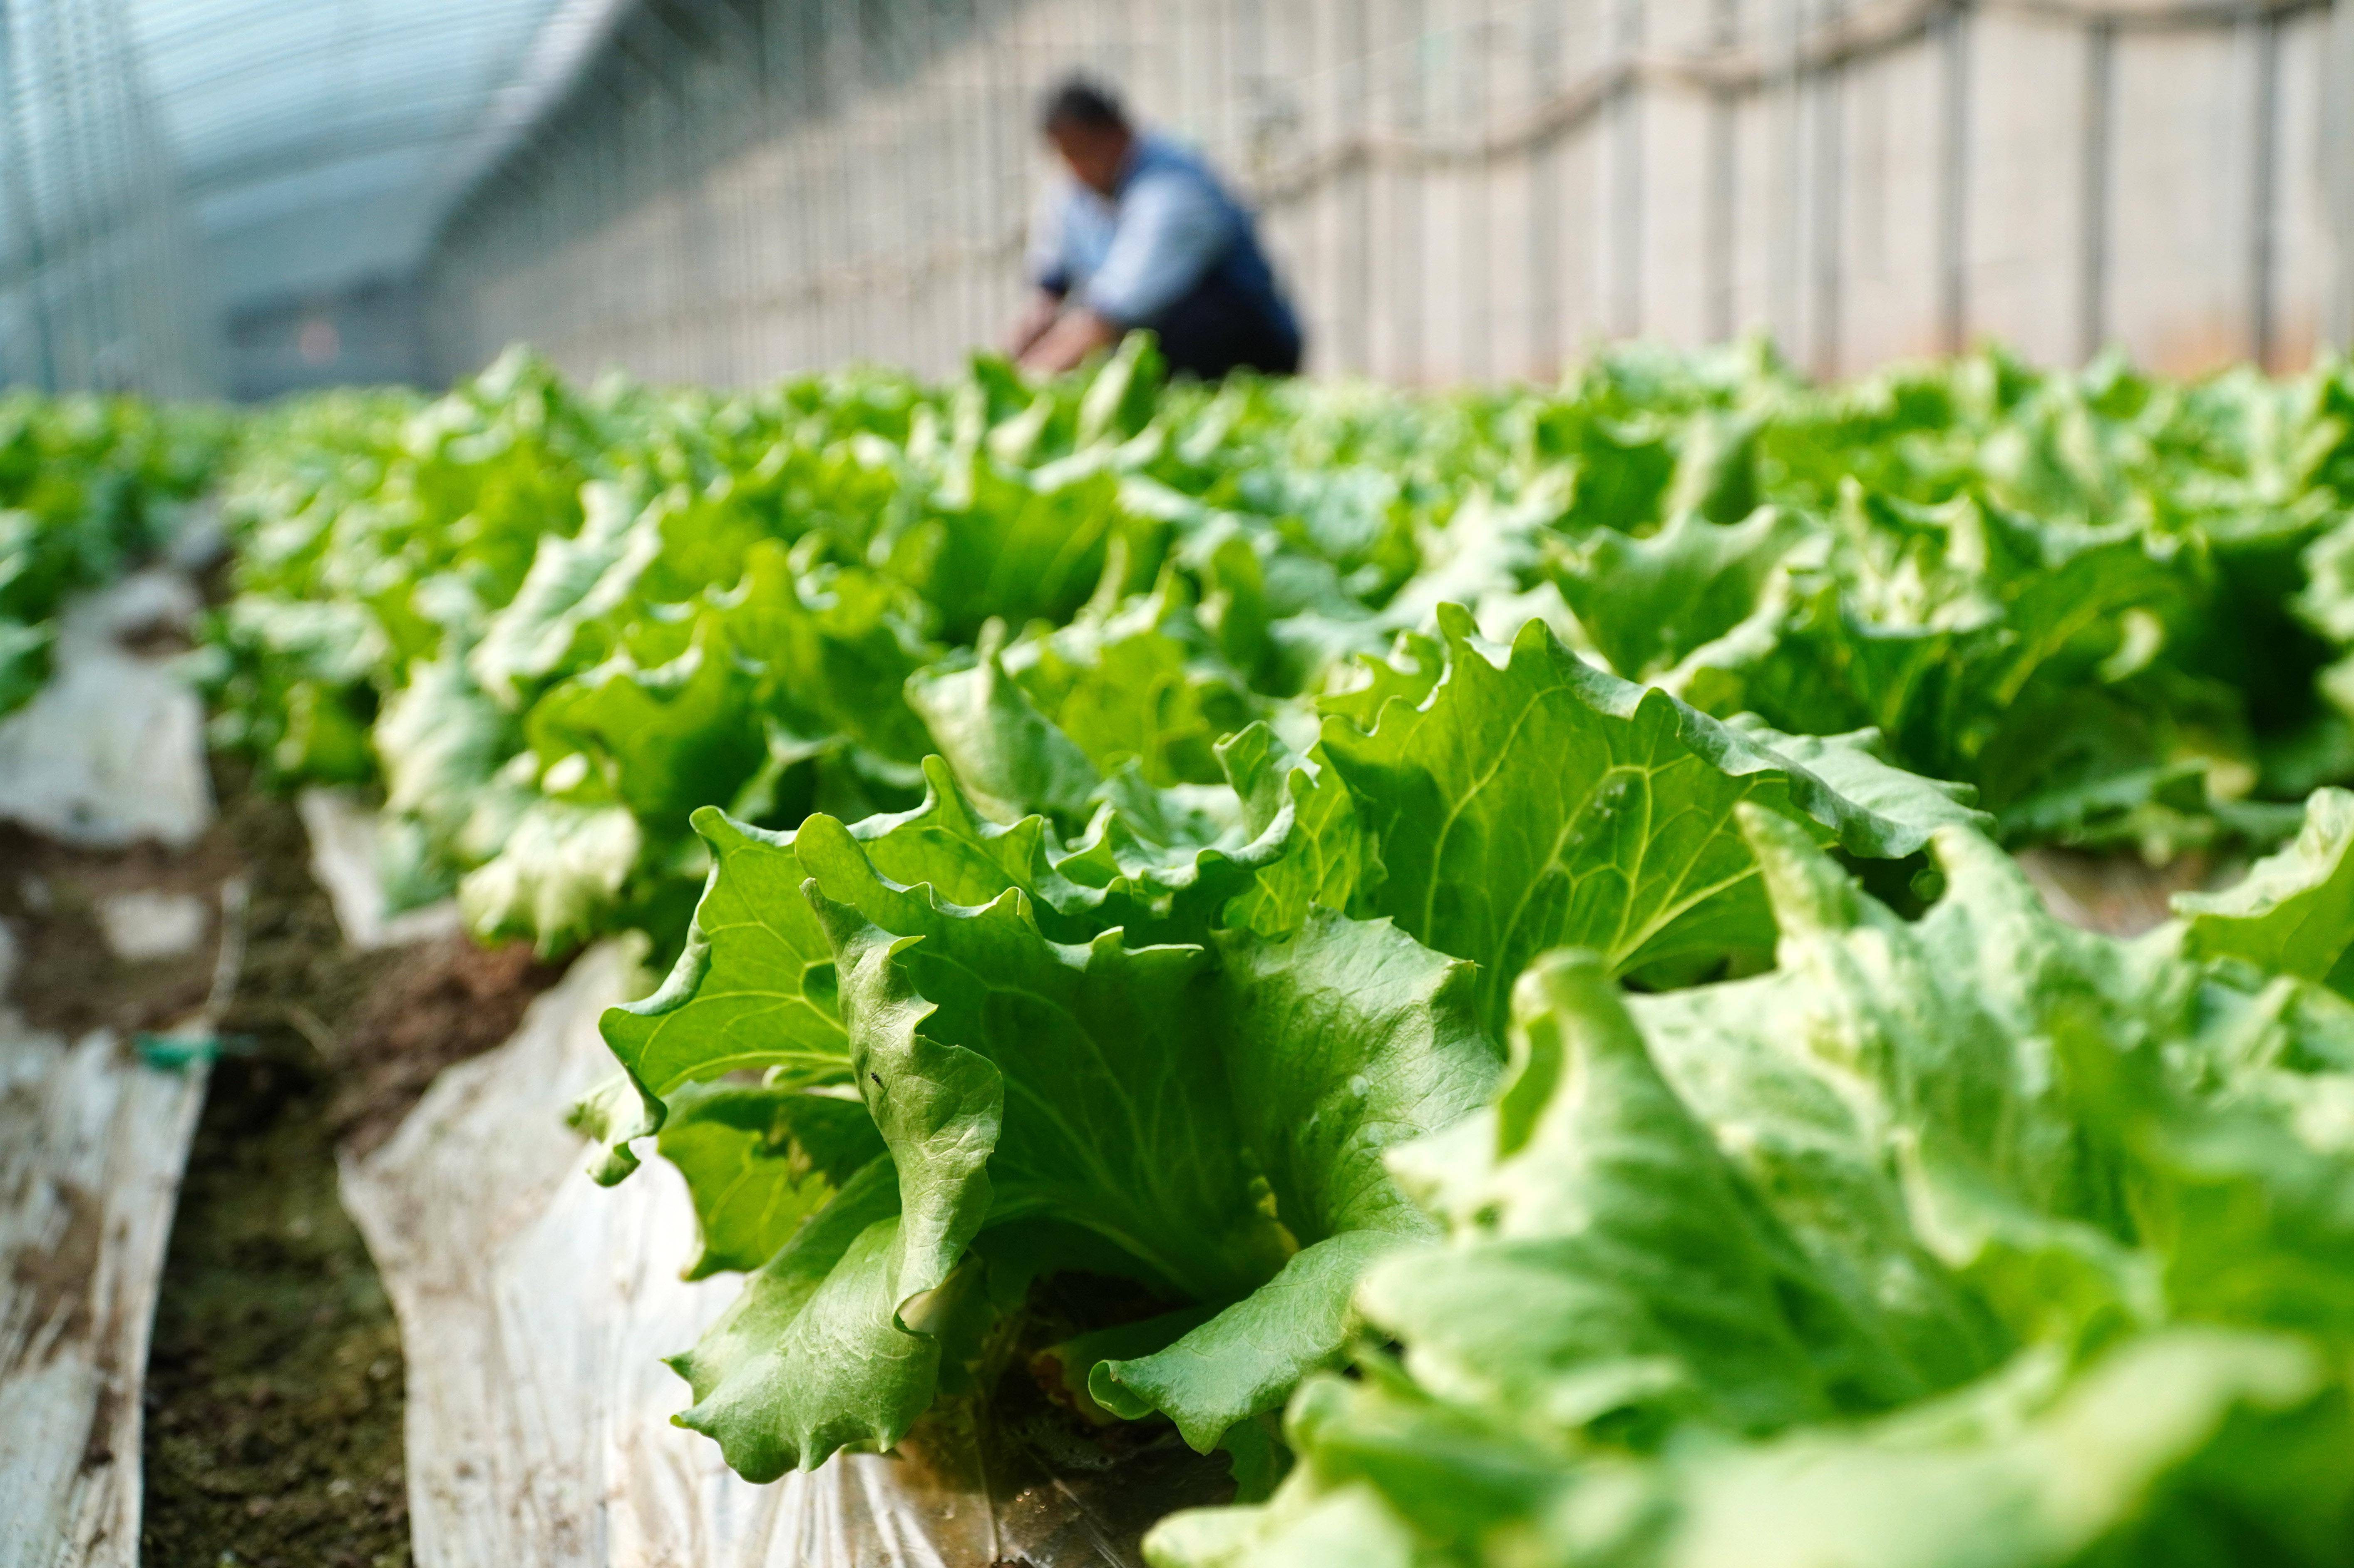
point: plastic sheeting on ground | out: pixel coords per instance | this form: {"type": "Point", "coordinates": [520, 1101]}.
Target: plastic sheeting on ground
{"type": "Point", "coordinates": [111, 751]}
{"type": "Point", "coordinates": [93, 1141]}
{"type": "Point", "coordinates": [92, 1144]}
{"type": "Point", "coordinates": [344, 834]}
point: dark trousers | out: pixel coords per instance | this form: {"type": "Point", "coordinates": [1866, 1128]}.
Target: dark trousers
{"type": "Point", "coordinates": [1219, 328]}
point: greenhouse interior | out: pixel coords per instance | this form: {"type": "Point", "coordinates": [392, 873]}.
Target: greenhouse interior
{"type": "Point", "coordinates": [1176, 783]}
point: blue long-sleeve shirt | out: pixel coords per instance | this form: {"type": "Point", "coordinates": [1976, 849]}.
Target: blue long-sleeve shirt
{"type": "Point", "coordinates": [1168, 226]}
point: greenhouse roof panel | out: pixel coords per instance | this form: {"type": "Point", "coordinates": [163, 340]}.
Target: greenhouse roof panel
{"type": "Point", "coordinates": [322, 141]}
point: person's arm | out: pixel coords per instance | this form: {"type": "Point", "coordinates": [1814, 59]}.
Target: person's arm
{"type": "Point", "coordinates": [1174, 227]}
{"type": "Point", "coordinates": [1074, 335]}
{"type": "Point", "coordinates": [1049, 267]}
{"type": "Point", "coordinates": [1036, 320]}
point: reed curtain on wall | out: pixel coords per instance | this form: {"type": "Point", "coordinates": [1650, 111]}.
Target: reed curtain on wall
{"type": "Point", "coordinates": [1457, 188]}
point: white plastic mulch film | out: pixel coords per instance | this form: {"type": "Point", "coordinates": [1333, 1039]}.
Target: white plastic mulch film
{"type": "Point", "coordinates": [91, 1146]}
{"type": "Point", "coordinates": [345, 837]}
{"type": "Point", "coordinates": [110, 752]}
{"type": "Point", "coordinates": [92, 1139]}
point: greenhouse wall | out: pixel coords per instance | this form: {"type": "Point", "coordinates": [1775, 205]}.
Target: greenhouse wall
{"type": "Point", "coordinates": [1456, 189]}
{"type": "Point", "coordinates": [103, 284]}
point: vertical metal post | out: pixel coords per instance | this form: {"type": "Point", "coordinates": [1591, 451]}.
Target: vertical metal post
{"type": "Point", "coordinates": [1248, 85]}
{"type": "Point", "coordinates": [1351, 81]}
{"type": "Point", "coordinates": [1829, 218]}
{"type": "Point", "coordinates": [1627, 173]}
{"type": "Point", "coordinates": [1472, 97]}
{"type": "Point", "coordinates": [1220, 127]}
{"type": "Point", "coordinates": [809, 95]}
{"type": "Point", "coordinates": [23, 197]}
{"type": "Point", "coordinates": [851, 321]}
{"type": "Point", "coordinates": [133, 331]}
{"type": "Point", "coordinates": [178, 363]}
{"type": "Point", "coordinates": [1544, 201]}
{"type": "Point", "coordinates": [2263, 218]}
{"type": "Point", "coordinates": [1407, 267]}
{"type": "Point", "coordinates": [627, 159]}
{"type": "Point", "coordinates": [149, 342]}
{"type": "Point", "coordinates": [93, 304]}
{"type": "Point", "coordinates": [1954, 180]}
{"type": "Point", "coordinates": [891, 263]}
{"type": "Point", "coordinates": [1284, 122]}
{"type": "Point", "coordinates": [100, 199]}
{"type": "Point", "coordinates": [1724, 180]}
{"type": "Point", "coordinates": [54, 186]}
{"type": "Point", "coordinates": [984, 214]}
{"type": "Point", "coordinates": [921, 177]}
{"type": "Point", "coordinates": [1784, 236]}
{"type": "Point", "coordinates": [2338, 169]}
{"type": "Point", "coordinates": [66, 181]}
{"type": "Point", "coordinates": [2093, 273]}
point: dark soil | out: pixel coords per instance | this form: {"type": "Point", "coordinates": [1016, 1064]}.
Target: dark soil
{"type": "Point", "coordinates": [273, 1391]}
{"type": "Point", "coordinates": [2118, 895]}
{"type": "Point", "coordinates": [67, 979]}
{"type": "Point", "coordinates": [274, 1383]}
{"type": "Point", "coordinates": [431, 1006]}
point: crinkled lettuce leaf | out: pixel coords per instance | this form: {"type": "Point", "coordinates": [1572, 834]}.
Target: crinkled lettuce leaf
{"type": "Point", "coordinates": [1974, 1239]}
{"type": "Point", "coordinates": [1532, 800]}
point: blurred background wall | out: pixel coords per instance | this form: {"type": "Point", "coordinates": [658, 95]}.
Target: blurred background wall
{"type": "Point", "coordinates": [251, 196]}
{"type": "Point", "coordinates": [1456, 188]}
{"type": "Point", "coordinates": [102, 283]}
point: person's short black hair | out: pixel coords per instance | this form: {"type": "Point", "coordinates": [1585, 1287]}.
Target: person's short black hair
{"type": "Point", "coordinates": [1085, 105]}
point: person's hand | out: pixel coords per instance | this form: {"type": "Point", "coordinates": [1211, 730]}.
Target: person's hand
{"type": "Point", "coordinates": [1036, 320]}
{"type": "Point", "coordinates": [1075, 336]}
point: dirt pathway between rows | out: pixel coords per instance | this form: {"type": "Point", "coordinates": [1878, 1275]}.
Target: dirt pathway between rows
{"type": "Point", "coordinates": [273, 1399]}
{"type": "Point", "coordinates": [274, 1381]}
